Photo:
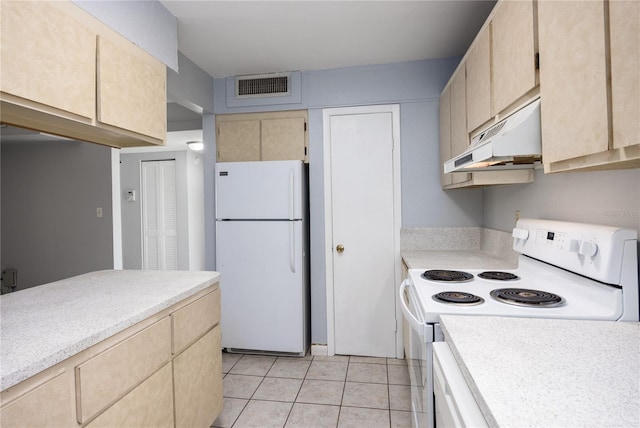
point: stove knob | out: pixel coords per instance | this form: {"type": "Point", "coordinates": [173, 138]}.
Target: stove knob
{"type": "Point", "coordinates": [572, 246]}
{"type": "Point", "coordinates": [588, 248]}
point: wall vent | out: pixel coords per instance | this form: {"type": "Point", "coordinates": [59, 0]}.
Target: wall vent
{"type": "Point", "coordinates": [262, 85]}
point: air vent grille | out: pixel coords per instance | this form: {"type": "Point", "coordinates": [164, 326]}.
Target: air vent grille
{"type": "Point", "coordinates": [262, 85]}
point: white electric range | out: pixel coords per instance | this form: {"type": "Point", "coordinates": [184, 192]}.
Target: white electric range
{"type": "Point", "coordinates": [565, 271]}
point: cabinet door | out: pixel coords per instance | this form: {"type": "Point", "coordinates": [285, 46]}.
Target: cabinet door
{"type": "Point", "coordinates": [238, 141]}
{"type": "Point", "coordinates": [445, 134]}
{"type": "Point", "coordinates": [47, 405]}
{"type": "Point", "coordinates": [283, 139]}
{"type": "Point", "coordinates": [478, 65]}
{"type": "Point", "coordinates": [47, 57]}
{"type": "Point", "coordinates": [573, 79]}
{"type": "Point", "coordinates": [624, 24]}
{"type": "Point", "coordinates": [459, 134]}
{"type": "Point", "coordinates": [131, 90]}
{"type": "Point", "coordinates": [150, 404]}
{"type": "Point", "coordinates": [197, 375]}
{"type": "Point", "coordinates": [513, 52]}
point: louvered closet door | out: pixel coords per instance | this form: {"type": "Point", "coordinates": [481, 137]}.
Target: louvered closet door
{"type": "Point", "coordinates": [159, 240]}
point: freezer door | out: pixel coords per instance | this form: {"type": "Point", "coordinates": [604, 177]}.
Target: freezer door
{"type": "Point", "coordinates": [259, 190]}
{"type": "Point", "coordinates": [262, 285]}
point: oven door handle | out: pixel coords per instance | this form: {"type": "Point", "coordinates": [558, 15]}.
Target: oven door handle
{"type": "Point", "coordinates": [415, 320]}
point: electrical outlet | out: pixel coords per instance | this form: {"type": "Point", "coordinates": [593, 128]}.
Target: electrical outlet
{"type": "Point", "coordinates": [99, 212]}
{"type": "Point", "coordinates": [517, 215]}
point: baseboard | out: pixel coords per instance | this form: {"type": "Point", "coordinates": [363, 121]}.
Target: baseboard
{"type": "Point", "coordinates": [319, 350]}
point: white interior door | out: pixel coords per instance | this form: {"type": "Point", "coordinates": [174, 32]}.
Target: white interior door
{"type": "Point", "coordinates": [364, 229]}
{"type": "Point", "coordinates": [159, 220]}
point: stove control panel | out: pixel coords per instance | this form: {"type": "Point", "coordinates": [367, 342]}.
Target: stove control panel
{"type": "Point", "coordinates": [591, 250]}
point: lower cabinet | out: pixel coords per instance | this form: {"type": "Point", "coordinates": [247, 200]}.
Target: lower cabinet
{"type": "Point", "coordinates": [198, 382]}
{"type": "Point", "coordinates": [150, 404]}
{"type": "Point", "coordinates": [165, 371]}
{"type": "Point", "coordinates": [48, 404]}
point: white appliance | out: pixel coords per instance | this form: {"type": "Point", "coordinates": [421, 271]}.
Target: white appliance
{"type": "Point", "coordinates": [565, 270]}
{"type": "Point", "coordinates": [513, 143]}
{"type": "Point", "coordinates": [261, 254]}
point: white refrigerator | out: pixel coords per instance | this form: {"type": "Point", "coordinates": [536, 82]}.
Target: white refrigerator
{"type": "Point", "coordinates": [261, 254]}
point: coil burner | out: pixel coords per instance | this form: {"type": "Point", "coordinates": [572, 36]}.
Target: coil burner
{"type": "Point", "coordinates": [524, 297]}
{"type": "Point", "coordinates": [498, 276]}
{"type": "Point", "coordinates": [457, 298]}
{"type": "Point", "coordinates": [447, 275]}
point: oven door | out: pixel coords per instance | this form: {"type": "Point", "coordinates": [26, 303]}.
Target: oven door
{"type": "Point", "coordinates": [416, 354]}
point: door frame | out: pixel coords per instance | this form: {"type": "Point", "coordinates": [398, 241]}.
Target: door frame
{"type": "Point", "coordinates": [394, 109]}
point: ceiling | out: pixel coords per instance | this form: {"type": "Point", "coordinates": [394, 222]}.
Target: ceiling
{"type": "Point", "coordinates": [228, 38]}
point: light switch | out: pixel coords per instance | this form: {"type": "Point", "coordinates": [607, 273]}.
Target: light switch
{"type": "Point", "coordinates": [99, 212]}
{"type": "Point", "coordinates": [130, 195]}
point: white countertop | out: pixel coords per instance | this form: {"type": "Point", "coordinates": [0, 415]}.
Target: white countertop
{"type": "Point", "coordinates": [549, 373]}
{"type": "Point", "coordinates": [42, 326]}
{"type": "Point", "coordinates": [454, 259]}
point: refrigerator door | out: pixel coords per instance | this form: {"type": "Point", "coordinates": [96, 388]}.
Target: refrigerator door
{"type": "Point", "coordinates": [259, 190]}
{"type": "Point", "coordinates": [262, 285]}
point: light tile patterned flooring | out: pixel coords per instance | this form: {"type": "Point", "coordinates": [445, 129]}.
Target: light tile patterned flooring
{"type": "Point", "coordinates": [310, 392]}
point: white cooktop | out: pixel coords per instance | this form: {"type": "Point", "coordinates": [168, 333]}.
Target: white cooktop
{"type": "Point", "coordinates": [583, 298]}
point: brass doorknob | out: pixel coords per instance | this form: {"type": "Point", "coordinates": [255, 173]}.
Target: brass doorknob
{"type": "Point", "coordinates": [340, 248]}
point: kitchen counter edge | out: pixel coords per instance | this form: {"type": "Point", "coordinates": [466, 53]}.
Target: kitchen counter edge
{"type": "Point", "coordinates": [44, 325]}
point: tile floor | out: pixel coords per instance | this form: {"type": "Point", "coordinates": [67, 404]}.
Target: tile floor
{"type": "Point", "coordinates": [309, 392]}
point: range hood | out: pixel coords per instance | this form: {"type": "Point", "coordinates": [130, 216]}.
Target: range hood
{"type": "Point", "coordinates": [512, 143]}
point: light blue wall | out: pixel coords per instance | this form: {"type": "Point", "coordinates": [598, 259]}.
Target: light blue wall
{"type": "Point", "coordinates": [416, 86]}
{"type": "Point", "coordinates": [600, 197]}
{"type": "Point", "coordinates": [148, 24]}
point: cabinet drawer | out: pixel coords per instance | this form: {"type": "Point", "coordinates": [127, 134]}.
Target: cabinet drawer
{"type": "Point", "coordinates": [148, 405]}
{"type": "Point", "coordinates": [107, 376]}
{"type": "Point", "coordinates": [47, 405]}
{"type": "Point", "coordinates": [195, 319]}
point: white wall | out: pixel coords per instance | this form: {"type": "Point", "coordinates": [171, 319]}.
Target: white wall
{"type": "Point", "coordinates": [50, 192]}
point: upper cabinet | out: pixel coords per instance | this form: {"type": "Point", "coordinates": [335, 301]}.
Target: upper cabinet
{"type": "Point", "coordinates": [478, 85]}
{"type": "Point", "coordinates": [580, 57]}
{"type": "Point", "coordinates": [36, 54]}
{"type": "Point", "coordinates": [589, 84]}
{"type": "Point", "coordinates": [262, 136]}
{"type": "Point", "coordinates": [66, 73]}
{"type": "Point", "coordinates": [513, 49]}
{"type": "Point", "coordinates": [482, 90]}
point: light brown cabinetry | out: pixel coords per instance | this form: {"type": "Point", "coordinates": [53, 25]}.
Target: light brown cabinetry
{"type": "Point", "coordinates": [478, 84]}
{"type": "Point", "coordinates": [163, 371]}
{"type": "Point", "coordinates": [589, 84]}
{"type": "Point", "coordinates": [106, 377]}
{"type": "Point", "coordinates": [47, 404]}
{"type": "Point", "coordinates": [262, 136]}
{"type": "Point", "coordinates": [483, 89]}
{"type": "Point", "coordinates": [513, 53]}
{"type": "Point", "coordinates": [150, 404]}
{"type": "Point", "coordinates": [66, 73]}
{"type": "Point", "coordinates": [198, 382]}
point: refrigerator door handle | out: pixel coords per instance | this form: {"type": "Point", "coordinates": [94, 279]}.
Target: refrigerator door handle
{"type": "Point", "coordinates": [292, 248]}
{"type": "Point", "coordinates": [291, 194]}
